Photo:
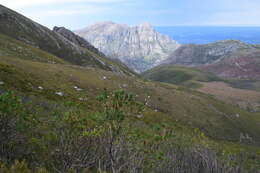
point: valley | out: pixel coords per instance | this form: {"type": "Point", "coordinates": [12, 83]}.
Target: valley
{"type": "Point", "coordinates": [69, 106]}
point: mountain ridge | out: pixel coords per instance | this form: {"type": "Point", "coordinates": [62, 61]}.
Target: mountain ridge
{"type": "Point", "coordinates": [24, 29]}
{"type": "Point", "coordinates": [140, 47]}
{"type": "Point", "coordinates": [226, 58]}
{"type": "Point", "coordinates": [59, 116]}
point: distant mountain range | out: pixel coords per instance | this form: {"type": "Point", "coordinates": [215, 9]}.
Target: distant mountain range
{"type": "Point", "coordinates": [227, 59]}
{"type": "Point", "coordinates": [139, 47]}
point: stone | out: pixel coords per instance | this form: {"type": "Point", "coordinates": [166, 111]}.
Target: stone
{"type": "Point", "coordinates": [2, 83]}
{"type": "Point", "coordinates": [140, 47]}
{"type": "Point", "coordinates": [140, 116]}
{"type": "Point", "coordinates": [77, 88]}
{"type": "Point", "coordinates": [59, 93]}
{"type": "Point", "coordinates": [83, 99]}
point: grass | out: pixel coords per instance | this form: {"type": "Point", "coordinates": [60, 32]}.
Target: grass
{"type": "Point", "coordinates": [150, 134]}
{"type": "Point", "coordinates": [193, 117]}
{"type": "Point", "coordinates": [21, 28]}
{"type": "Point", "coordinates": [10, 47]}
{"type": "Point", "coordinates": [185, 106]}
{"type": "Point", "coordinates": [189, 77]}
{"type": "Point", "coordinates": [244, 84]}
{"type": "Point", "coordinates": [246, 99]}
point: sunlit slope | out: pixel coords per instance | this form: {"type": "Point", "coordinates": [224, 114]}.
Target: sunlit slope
{"type": "Point", "coordinates": [179, 75]}
{"type": "Point", "coordinates": [193, 109]}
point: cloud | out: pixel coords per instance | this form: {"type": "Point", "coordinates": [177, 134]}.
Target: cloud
{"type": "Point", "coordinates": [18, 4]}
{"type": "Point", "coordinates": [68, 12]}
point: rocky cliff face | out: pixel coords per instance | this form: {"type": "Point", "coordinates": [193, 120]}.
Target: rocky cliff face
{"type": "Point", "coordinates": [81, 42]}
{"type": "Point", "coordinates": [140, 47]}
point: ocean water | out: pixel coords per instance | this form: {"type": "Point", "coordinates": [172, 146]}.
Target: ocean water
{"type": "Point", "coordinates": [209, 34]}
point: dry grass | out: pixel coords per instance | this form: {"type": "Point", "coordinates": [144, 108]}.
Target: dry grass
{"type": "Point", "coordinates": [246, 99]}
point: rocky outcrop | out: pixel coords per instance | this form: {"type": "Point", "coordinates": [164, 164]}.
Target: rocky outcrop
{"type": "Point", "coordinates": [75, 39]}
{"type": "Point", "coordinates": [140, 47]}
{"type": "Point", "coordinates": [81, 42]}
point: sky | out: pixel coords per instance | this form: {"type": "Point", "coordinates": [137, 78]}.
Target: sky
{"type": "Point", "coordinates": [77, 14]}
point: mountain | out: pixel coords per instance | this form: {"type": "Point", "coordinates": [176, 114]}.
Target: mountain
{"type": "Point", "coordinates": [243, 64]}
{"type": "Point", "coordinates": [228, 70]}
{"type": "Point", "coordinates": [139, 47]}
{"type": "Point", "coordinates": [196, 55]}
{"type": "Point", "coordinates": [79, 41]}
{"type": "Point", "coordinates": [227, 59]}
{"type": "Point", "coordinates": [38, 36]}
{"type": "Point", "coordinates": [59, 116]}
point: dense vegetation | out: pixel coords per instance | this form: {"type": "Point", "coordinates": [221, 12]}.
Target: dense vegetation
{"type": "Point", "coordinates": [56, 116]}
{"type": "Point", "coordinates": [68, 138]}
{"type": "Point", "coordinates": [45, 132]}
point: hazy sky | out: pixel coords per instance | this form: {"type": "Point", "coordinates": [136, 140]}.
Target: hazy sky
{"type": "Point", "coordinates": [76, 14]}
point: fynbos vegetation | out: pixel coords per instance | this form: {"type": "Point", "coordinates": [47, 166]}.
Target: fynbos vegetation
{"type": "Point", "coordinates": [108, 140]}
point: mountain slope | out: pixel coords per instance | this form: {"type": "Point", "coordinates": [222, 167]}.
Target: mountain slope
{"type": "Point", "coordinates": [21, 70]}
{"type": "Point", "coordinates": [228, 59]}
{"type": "Point", "coordinates": [196, 55]}
{"type": "Point", "coordinates": [193, 109]}
{"type": "Point", "coordinates": [52, 119]}
{"type": "Point", "coordinates": [21, 28]}
{"type": "Point", "coordinates": [116, 66]}
{"type": "Point", "coordinates": [140, 47]}
{"type": "Point", "coordinates": [173, 117]}
{"type": "Point", "coordinates": [179, 75]}
{"type": "Point", "coordinates": [242, 64]}
{"type": "Point", "coordinates": [75, 39]}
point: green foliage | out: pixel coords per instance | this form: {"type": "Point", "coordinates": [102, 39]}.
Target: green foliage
{"type": "Point", "coordinates": [69, 139]}
{"type": "Point", "coordinates": [119, 103]}
{"type": "Point", "coordinates": [188, 77]}
{"type": "Point", "coordinates": [20, 167]}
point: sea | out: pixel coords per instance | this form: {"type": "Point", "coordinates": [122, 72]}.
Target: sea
{"type": "Point", "coordinates": [210, 34]}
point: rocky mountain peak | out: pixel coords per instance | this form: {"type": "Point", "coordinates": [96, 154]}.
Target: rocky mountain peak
{"type": "Point", "coordinates": [146, 25]}
{"type": "Point", "coordinates": [140, 47]}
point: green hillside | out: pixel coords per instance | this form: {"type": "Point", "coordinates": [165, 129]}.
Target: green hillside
{"type": "Point", "coordinates": [56, 116]}
{"type": "Point", "coordinates": [27, 31]}
{"type": "Point", "coordinates": [50, 88]}
{"type": "Point", "coordinates": [179, 75]}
